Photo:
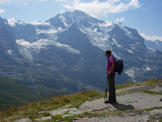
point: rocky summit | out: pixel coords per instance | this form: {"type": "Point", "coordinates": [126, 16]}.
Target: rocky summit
{"type": "Point", "coordinates": [136, 102]}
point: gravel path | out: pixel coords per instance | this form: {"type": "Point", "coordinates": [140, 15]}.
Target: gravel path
{"type": "Point", "coordinates": [115, 119]}
{"type": "Point", "coordinates": [125, 102]}
{"type": "Point", "coordinates": [140, 100]}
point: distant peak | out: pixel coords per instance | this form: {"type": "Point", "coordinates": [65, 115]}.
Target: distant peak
{"type": "Point", "coordinates": [77, 12]}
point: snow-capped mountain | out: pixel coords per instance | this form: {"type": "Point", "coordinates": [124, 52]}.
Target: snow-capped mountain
{"type": "Point", "coordinates": [154, 45]}
{"type": "Point", "coordinates": [66, 52]}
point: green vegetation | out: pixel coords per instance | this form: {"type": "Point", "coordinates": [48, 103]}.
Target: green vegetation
{"type": "Point", "coordinates": [13, 92]}
{"type": "Point", "coordinates": [125, 85]}
{"type": "Point", "coordinates": [153, 92]}
{"type": "Point", "coordinates": [31, 110]}
{"type": "Point", "coordinates": [60, 118]}
{"type": "Point", "coordinates": [146, 83]}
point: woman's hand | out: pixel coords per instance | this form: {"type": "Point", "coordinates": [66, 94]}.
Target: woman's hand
{"type": "Point", "coordinates": [108, 73]}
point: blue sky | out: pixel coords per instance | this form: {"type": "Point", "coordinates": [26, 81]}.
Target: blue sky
{"type": "Point", "coordinates": [143, 15]}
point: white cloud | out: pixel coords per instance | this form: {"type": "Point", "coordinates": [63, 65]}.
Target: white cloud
{"type": "Point", "coordinates": [2, 10]}
{"type": "Point", "coordinates": [151, 38]}
{"type": "Point", "coordinates": [134, 3]}
{"type": "Point", "coordinates": [97, 8]}
{"type": "Point", "coordinates": [25, 2]}
{"type": "Point", "coordinates": [11, 22]}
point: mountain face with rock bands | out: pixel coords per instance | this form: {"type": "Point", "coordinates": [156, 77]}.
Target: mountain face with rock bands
{"type": "Point", "coordinates": [65, 54]}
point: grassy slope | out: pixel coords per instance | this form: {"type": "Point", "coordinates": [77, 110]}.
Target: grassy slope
{"type": "Point", "coordinates": [31, 110]}
{"type": "Point", "coordinates": [13, 92]}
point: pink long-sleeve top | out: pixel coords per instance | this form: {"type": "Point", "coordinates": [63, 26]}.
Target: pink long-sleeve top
{"type": "Point", "coordinates": [111, 60]}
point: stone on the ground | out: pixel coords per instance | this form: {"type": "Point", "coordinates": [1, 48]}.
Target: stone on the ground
{"type": "Point", "coordinates": [44, 118]}
{"type": "Point", "coordinates": [154, 112]}
{"type": "Point", "coordinates": [73, 111]}
{"type": "Point", "coordinates": [23, 120]}
{"type": "Point", "coordinates": [56, 112]}
{"type": "Point", "coordinates": [96, 105]}
{"type": "Point", "coordinates": [66, 106]}
{"type": "Point", "coordinates": [66, 112]}
{"type": "Point", "coordinates": [115, 119]}
{"type": "Point", "coordinates": [140, 100]}
{"type": "Point", "coordinates": [156, 89]}
{"type": "Point", "coordinates": [41, 112]}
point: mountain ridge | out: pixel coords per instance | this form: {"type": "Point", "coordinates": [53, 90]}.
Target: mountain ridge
{"type": "Point", "coordinates": [69, 57]}
{"type": "Point", "coordinates": [123, 37]}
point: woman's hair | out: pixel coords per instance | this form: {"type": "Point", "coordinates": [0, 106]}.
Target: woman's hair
{"type": "Point", "coordinates": [108, 52]}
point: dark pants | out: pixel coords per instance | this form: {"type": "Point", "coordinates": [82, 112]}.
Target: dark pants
{"type": "Point", "coordinates": [111, 86]}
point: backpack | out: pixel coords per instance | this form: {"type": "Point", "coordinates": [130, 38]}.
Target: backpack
{"type": "Point", "coordinates": [119, 66]}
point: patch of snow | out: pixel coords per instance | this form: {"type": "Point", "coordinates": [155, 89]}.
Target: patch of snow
{"type": "Point", "coordinates": [39, 23]}
{"type": "Point", "coordinates": [21, 22]}
{"type": "Point", "coordinates": [63, 19]}
{"type": "Point", "coordinates": [131, 72]}
{"type": "Point", "coordinates": [140, 58]}
{"type": "Point", "coordinates": [132, 46]}
{"type": "Point", "coordinates": [9, 52]}
{"type": "Point", "coordinates": [67, 47]}
{"type": "Point", "coordinates": [50, 31]}
{"type": "Point", "coordinates": [95, 30]}
{"type": "Point", "coordinates": [11, 22]}
{"type": "Point", "coordinates": [97, 38]}
{"type": "Point", "coordinates": [148, 68]}
{"type": "Point", "coordinates": [116, 43]}
{"type": "Point", "coordinates": [42, 43]}
{"type": "Point", "coordinates": [106, 24]}
{"type": "Point", "coordinates": [151, 49]}
{"type": "Point", "coordinates": [128, 33]}
{"type": "Point", "coordinates": [129, 51]}
{"type": "Point", "coordinates": [27, 53]}
{"type": "Point", "coordinates": [22, 42]}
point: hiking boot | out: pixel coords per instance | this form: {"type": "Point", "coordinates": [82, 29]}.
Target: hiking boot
{"type": "Point", "coordinates": [110, 101]}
